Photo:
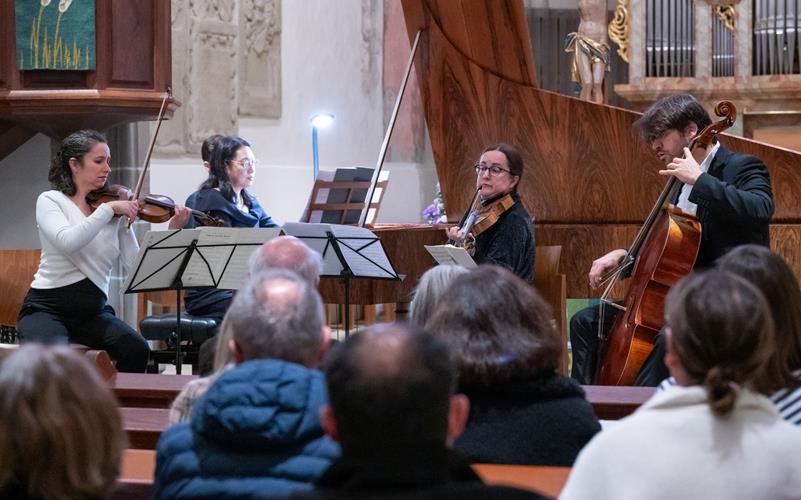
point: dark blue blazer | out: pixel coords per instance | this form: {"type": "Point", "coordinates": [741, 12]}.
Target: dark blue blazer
{"type": "Point", "coordinates": [735, 204]}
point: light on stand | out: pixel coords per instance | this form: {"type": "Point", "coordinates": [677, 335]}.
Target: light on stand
{"type": "Point", "coordinates": [320, 120]}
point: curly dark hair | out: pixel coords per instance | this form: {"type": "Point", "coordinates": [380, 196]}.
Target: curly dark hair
{"type": "Point", "coordinates": [498, 327]}
{"type": "Point", "coordinates": [673, 112]}
{"type": "Point", "coordinates": [223, 152]}
{"type": "Point", "coordinates": [75, 145]}
{"type": "Point", "coordinates": [721, 330]}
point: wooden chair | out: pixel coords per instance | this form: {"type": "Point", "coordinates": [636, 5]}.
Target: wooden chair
{"type": "Point", "coordinates": [552, 286]}
{"type": "Point", "coordinates": [17, 268]}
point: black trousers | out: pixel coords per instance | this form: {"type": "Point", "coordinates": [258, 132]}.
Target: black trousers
{"type": "Point", "coordinates": [79, 313]}
{"type": "Point", "coordinates": [584, 342]}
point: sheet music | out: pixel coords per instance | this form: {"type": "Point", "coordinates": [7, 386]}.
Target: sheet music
{"type": "Point", "coordinates": [159, 259]}
{"type": "Point", "coordinates": [361, 249]}
{"type": "Point", "coordinates": [363, 252]}
{"type": "Point", "coordinates": [451, 255]}
{"type": "Point", "coordinates": [222, 256]}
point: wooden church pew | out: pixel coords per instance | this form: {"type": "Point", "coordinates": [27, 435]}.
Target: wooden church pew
{"type": "Point", "coordinates": [144, 426]}
{"type": "Point", "coordinates": [138, 467]}
{"type": "Point", "coordinates": [616, 402]}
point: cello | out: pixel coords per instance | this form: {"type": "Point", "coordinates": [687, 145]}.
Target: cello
{"type": "Point", "coordinates": [662, 253]}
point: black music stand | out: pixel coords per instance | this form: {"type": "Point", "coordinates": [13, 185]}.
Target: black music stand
{"type": "Point", "coordinates": [348, 252]}
{"type": "Point", "coordinates": [209, 257]}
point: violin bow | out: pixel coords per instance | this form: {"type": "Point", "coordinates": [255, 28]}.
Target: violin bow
{"type": "Point", "coordinates": [141, 181]}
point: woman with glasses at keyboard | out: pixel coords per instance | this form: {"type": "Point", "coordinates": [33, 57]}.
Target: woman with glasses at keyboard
{"type": "Point", "coordinates": [224, 195]}
{"type": "Point", "coordinates": [509, 241]}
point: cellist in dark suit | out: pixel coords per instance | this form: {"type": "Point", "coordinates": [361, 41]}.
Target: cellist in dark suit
{"type": "Point", "coordinates": [730, 193]}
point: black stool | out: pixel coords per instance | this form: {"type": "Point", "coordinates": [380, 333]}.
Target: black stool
{"type": "Point", "coordinates": [194, 331]}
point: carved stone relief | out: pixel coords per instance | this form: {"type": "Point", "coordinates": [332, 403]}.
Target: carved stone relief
{"type": "Point", "coordinates": [372, 40]}
{"type": "Point", "coordinates": [260, 58]}
{"type": "Point", "coordinates": [226, 63]}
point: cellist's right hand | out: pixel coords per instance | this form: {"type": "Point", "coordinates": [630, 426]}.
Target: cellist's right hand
{"type": "Point", "coordinates": [602, 265]}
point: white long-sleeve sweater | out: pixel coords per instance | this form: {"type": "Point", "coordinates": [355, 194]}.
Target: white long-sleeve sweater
{"type": "Point", "coordinates": [75, 247]}
{"type": "Point", "coordinates": [673, 447]}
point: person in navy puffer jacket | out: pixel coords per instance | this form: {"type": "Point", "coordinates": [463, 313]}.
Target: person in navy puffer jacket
{"type": "Point", "coordinates": [256, 433]}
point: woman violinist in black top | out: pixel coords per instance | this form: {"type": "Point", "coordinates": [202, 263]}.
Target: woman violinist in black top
{"type": "Point", "coordinates": [501, 232]}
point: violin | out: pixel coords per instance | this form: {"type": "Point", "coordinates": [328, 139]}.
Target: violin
{"type": "Point", "coordinates": [154, 208]}
{"type": "Point", "coordinates": [479, 219]}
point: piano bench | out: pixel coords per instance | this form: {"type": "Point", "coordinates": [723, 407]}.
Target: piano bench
{"type": "Point", "coordinates": [195, 330]}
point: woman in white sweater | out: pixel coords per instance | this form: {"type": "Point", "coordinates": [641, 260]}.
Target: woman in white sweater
{"type": "Point", "coordinates": [711, 436]}
{"type": "Point", "coordinates": [68, 295]}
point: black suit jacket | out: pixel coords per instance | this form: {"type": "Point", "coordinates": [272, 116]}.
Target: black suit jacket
{"type": "Point", "coordinates": [735, 204]}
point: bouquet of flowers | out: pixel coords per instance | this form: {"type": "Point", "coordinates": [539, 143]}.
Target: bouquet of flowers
{"type": "Point", "coordinates": [435, 213]}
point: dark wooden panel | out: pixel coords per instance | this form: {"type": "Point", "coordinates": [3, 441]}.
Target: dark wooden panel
{"type": "Point", "coordinates": [132, 32]}
{"type": "Point", "coordinates": [8, 44]}
{"type": "Point", "coordinates": [785, 175]}
{"type": "Point", "coordinates": [17, 268]}
{"type": "Point", "coordinates": [48, 79]}
{"type": "Point", "coordinates": [470, 27]}
{"type": "Point", "coordinates": [581, 244]}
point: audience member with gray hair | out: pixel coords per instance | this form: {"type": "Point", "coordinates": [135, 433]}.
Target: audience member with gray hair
{"type": "Point", "coordinates": [394, 411]}
{"type": "Point", "coordinates": [256, 431]}
{"type": "Point", "coordinates": [432, 285]}
{"type": "Point", "coordinates": [283, 252]}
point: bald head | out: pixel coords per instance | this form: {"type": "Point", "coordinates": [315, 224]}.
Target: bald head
{"type": "Point", "coordinates": [278, 315]}
{"type": "Point", "coordinates": [386, 372]}
{"type": "Point", "coordinates": [288, 252]}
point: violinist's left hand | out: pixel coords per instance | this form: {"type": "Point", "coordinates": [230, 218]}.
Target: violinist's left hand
{"type": "Point", "coordinates": [684, 169]}
{"type": "Point", "coordinates": [181, 217]}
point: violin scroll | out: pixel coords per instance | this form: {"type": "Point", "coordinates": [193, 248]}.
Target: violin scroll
{"type": "Point", "coordinates": [725, 109]}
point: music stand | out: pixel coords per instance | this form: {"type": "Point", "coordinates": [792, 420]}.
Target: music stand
{"type": "Point", "coordinates": [339, 199]}
{"type": "Point", "coordinates": [348, 252]}
{"type": "Point", "coordinates": [209, 257]}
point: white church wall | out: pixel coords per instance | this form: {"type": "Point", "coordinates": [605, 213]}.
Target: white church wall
{"type": "Point", "coordinates": [330, 62]}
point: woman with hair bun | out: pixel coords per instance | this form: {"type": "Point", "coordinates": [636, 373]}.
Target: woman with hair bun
{"type": "Point", "coordinates": [711, 436]}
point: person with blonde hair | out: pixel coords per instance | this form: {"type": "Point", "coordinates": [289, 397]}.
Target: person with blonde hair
{"type": "Point", "coordinates": [432, 285]}
{"type": "Point", "coordinates": [63, 437]}
{"type": "Point", "coordinates": [712, 436]}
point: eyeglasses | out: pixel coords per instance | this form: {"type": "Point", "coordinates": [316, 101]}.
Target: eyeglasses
{"type": "Point", "coordinates": [494, 170]}
{"type": "Point", "coordinates": [246, 163]}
